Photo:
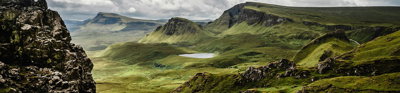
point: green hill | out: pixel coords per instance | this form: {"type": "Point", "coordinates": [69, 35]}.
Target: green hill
{"type": "Point", "coordinates": [353, 16]}
{"type": "Point", "coordinates": [381, 83]}
{"type": "Point", "coordinates": [256, 34]}
{"type": "Point", "coordinates": [176, 30]}
{"type": "Point", "coordinates": [133, 53]}
{"type": "Point", "coordinates": [329, 45]}
{"type": "Point", "coordinates": [324, 53]}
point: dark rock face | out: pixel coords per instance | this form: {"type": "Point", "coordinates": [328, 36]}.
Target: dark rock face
{"type": "Point", "coordinates": [271, 70]}
{"type": "Point", "coordinates": [251, 78]}
{"type": "Point", "coordinates": [360, 34]}
{"type": "Point", "coordinates": [239, 14]}
{"type": "Point", "coordinates": [179, 26]}
{"type": "Point", "coordinates": [372, 68]}
{"type": "Point", "coordinates": [255, 17]}
{"type": "Point", "coordinates": [35, 51]}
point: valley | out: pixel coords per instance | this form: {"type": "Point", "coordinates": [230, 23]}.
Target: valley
{"type": "Point", "coordinates": [251, 48]}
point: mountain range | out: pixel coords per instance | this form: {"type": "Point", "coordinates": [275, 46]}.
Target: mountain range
{"type": "Point", "coordinates": [256, 47]}
{"type": "Point", "coordinates": [265, 48]}
{"type": "Point", "coordinates": [109, 28]}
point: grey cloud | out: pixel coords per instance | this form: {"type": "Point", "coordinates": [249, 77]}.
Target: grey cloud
{"type": "Point", "coordinates": [192, 9]}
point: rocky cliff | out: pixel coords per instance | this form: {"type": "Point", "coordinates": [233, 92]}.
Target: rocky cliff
{"type": "Point", "coordinates": [35, 51]}
{"type": "Point", "coordinates": [239, 14]}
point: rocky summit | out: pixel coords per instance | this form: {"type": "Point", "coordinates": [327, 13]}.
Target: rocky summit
{"type": "Point", "coordinates": [176, 30]}
{"type": "Point", "coordinates": [36, 55]}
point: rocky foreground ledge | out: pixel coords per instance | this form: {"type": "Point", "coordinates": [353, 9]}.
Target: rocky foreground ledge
{"type": "Point", "coordinates": [36, 55]}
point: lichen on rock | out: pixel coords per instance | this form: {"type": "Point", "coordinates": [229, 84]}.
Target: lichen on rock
{"type": "Point", "coordinates": [35, 51]}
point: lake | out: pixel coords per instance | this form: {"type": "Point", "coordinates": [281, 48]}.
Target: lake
{"type": "Point", "coordinates": [199, 55]}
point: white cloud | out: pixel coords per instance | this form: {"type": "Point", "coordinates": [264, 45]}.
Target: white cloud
{"type": "Point", "coordinates": [132, 9]}
{"type": "Point", "coordinates": [193, 9]}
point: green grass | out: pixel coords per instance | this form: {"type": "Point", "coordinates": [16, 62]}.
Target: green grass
{"type": "Point", "coordinates": [160, 37]}
{"type": "Point", "coordinates": [357, 16]}
{"type": "Point", "coordinates": [243, 35]}
{"type": "Point", "coordinates": [93, 41]}
{"type": "Point", "coordinates": [177, 30]}
{"type": "Point", "coordinates": [132, 52]}
{"type": "Point", "coordinates": [329, 45]}
{"type": "Point", "coordinates": [127, 67]}
{"type": "Point", "coordinates": [286, 30]}
{"type": "Point", "coordinates": [386, 82]}
{"type": "Point", "coordinates": [279, 89]}
{"type": "Point", "coordinates": [228, 43]}
{"type": "Point", "coordinates": [215, 83]}
{"type": "Point", "coordinates": [385, 46]}
{"type": "Point", "coordinates": [117, 77]}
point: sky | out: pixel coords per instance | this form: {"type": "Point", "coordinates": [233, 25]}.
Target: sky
{"type": "Point", "coordinates": [191, 9]}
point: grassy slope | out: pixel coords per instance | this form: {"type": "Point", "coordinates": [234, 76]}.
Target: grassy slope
{"type": "Point", "coordinates": [116, 77]}
{"type": "Point", "coordinates": [160, 37]}
{"type": "Point", "coordinates": [225, 83]}
{"type": "Point", "coordinates": [92, 41]}
{"type": "Point", "coordinates": [287, 35]}
{"type": "Point", "coordinates": [311, 56]}
{"type": "Point", "coordinates": [357, 16]}
{"type": "Point", "coordinates": [386, 82]}
{"type": "Point", "coordinates": [276, 42]}
{"type": "Point", "coordinates": [132, 53]}
{"type": "Point", "coordinates": [182, 32]}
{"type": "Point", "coordinates": [382, 47]}
{"type": "Point", "coordinates": [128, 67]}
{"type": "Point", "coordinates": [329, 45]}
{"type": "Point", "coordinates": [376, 52]}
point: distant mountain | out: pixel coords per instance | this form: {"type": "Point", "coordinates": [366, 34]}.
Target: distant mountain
{"type": "Point", "coordinates": [115, 22]}
{"type": "Point", "coordinates": [74, 25]}
{"type": "Point", "coordinates": [109, 28]}
{"type": "Point", "coordinates": [176, 30]}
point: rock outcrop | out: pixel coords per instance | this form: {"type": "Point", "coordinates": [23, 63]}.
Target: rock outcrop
{"type": "Point", "coordinates": [253, 77]}
{"type": "Point", "coordinates": [272, 70]}
{"type": "Point", "coordinates": [35, 51]}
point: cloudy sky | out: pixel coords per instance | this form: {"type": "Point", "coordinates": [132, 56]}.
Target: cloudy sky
{"type": "Point", "coordinates": [192, 9]}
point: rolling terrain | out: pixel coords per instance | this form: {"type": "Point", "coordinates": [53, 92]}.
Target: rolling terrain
{"type": "Point", "coordinates": [261, 48]}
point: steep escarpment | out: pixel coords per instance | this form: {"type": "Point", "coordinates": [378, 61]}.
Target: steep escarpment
{"type": "Point", "coordinates": [35, 51]}
{"type": "Point", "coordinates": [176, 30]}
{"type": "Point", "coordinates": [359, 25]}
{"type": "Point", "coordinates": [239, 14]}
